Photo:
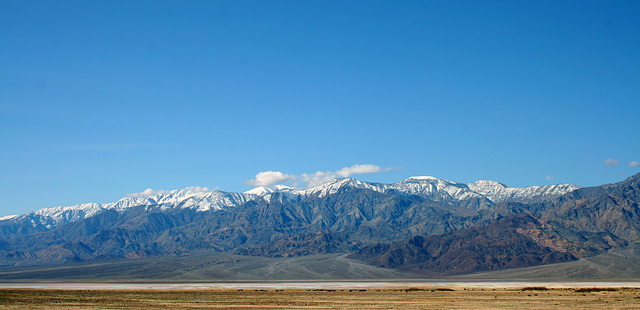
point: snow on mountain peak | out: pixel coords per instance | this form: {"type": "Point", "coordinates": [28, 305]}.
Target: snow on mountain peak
{"type": "Point", "coordinates": [181, 192]}
{"type": "Point", "coordinates": [197, 197]}
{"type": "Point", "coordinates": [8, 217]}
{"type": "Point", "coordinates": [265, 190]}
{"type": "Point", "coordinates": [498, 192]}
{"type": "Point", "coordinates": [486, 183]}
{"type": "Point", "coordinates": [436, 189]}
{"type": "Point", "coordinates": [428, 187]}
{"type": "Point", "coordinates": [201, 199]}
{"type": "Point", "coordinates": [335, 185]}
{"type": "Point", "coordinates": [423, 178]}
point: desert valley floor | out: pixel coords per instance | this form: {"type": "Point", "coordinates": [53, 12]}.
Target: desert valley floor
{"type": "Point", "coordinates": [371, 297]}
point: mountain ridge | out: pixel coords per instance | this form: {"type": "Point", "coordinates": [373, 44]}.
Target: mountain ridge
{"type": "Point", "coordinates": [203, 200]}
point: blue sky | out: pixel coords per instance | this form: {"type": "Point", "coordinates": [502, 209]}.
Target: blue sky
{"type": "Point", "coordinates": [99, 99]}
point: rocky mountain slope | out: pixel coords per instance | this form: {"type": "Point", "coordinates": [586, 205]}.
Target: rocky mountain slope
{"type": "Point", "coordinates": [515, 241]}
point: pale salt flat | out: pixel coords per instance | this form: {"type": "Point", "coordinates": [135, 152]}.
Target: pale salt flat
{"type": "Point", "coordinates": [311, 285]}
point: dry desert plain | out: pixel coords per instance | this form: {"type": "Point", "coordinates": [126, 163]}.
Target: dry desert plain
{"type": "Point", "coordinates": [324, 298]}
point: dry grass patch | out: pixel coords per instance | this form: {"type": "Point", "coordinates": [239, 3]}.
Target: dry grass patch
{"type": "Point", "coordinates": [412, 298]}
{"type": "Point", "coordinates": [534, 288]}
{"type": "Point", "coordinates": [596, 289]}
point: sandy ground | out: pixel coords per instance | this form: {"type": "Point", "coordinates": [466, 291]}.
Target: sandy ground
{"type": "Point", "coordinates": [325, 298]}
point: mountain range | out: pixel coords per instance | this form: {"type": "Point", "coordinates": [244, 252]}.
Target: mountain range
{"type": "Point", "coordinates": [421, 226]}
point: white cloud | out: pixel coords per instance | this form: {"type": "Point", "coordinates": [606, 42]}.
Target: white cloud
{"type": "Point", "coordinates": [360, 169]}
{"type": "Point", "coordinates": [611, 162]}
{"type": "Point", "coordinates": [147, 193]}
{"type": "Point", "coordinates": [550, 178]}
{"type": "Point", "coordinates": [315, 179]}
{"type": "Point", "coordinates": [267, 178]}
{"type": "Point", "coordinates": [195, 189]}
{"type": "Point", "coordinates": [633, 164]}
{"type": "Point", "coordinates": [320, 177]}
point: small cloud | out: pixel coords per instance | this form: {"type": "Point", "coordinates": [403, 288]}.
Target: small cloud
{"type": "Point", "coordinates": [611, 162]}
{"type": "Point", "coordinates": [550, 178]}
{"type": "Point", "coordinates": [194, 190]}
{"type": "Point", "coordinates": [361, 169]}
{"type": "Point", "coordinates": [633, 164]}
{"type": "Point", "coordinates": [267, 178]}
{"type": "Point", "coordinates": [320, 177]}
{"type": "Point", "coordinates": [147, 193]}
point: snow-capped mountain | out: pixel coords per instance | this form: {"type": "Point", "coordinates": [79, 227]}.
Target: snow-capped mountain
{"type": "Point", "coordinates": [197, 198]}
{"type": "Point", "coordinates": [480, 194]}
{"type": "Point", "coordinates": [498, 192]}
{"type": "Point", "coordinates": [428, 187]}
{"type": "Point", "coordinates": [436, 189]}
{"type": "Point", "coordinates": [335, 185]}
{"type": "Point", "coordinates": [201, 199]}
{"type": "Point", "coordinates": [323, 190]}
{"type": "Point", "coordinates": [447, 191]}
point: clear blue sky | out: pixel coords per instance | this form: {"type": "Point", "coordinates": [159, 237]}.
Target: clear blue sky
{"type": "Point", "coordinates": [99, 99]}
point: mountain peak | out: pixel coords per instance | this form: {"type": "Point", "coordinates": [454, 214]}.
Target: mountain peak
{"type": "Point", "coordinates": [498, 192]}
{"type": "Point", "coordinates": [480, 183]}
{"type": "Point", "coordinates": [8, 217]}
{"type": "Point", "coordinates": [265, 190]}
{"type": "Point", "coordinates": [429, 179]}
{"type": "Point", "coordinates": [334, 185]}
{"type": "Point", "coordinates": [422, 178]}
